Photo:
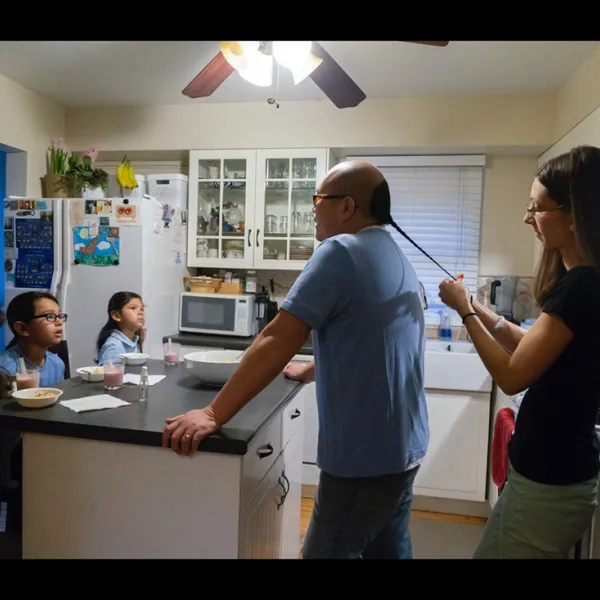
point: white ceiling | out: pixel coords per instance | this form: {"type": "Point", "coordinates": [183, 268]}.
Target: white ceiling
{"type": "Point", "coordinates": [130, 73]}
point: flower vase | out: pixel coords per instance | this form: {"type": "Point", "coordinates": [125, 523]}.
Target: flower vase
{"type": "Point", "coordinates": [93, 193]}
{"type": "Point", "coordinates": [54, 187]}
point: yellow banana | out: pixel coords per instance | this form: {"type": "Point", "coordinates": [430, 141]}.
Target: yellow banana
{"type": "Point", "coordinates": [131, 176]}
{"type": "Point", "coordinates": [122, 178]}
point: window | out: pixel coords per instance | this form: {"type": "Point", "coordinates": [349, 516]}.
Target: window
{"type": "Point", "coordinates": [437, 201]}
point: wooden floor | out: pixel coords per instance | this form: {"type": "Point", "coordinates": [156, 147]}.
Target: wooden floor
{"type": "Point", "coordinates": [307, 507]}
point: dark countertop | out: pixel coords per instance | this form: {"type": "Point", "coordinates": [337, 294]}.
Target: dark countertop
{"type": "Point", "coordinates": [143, 422]}
{"type": "Point", "coordinates": [229, 342]}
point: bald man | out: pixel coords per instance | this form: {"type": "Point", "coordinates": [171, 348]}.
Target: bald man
{"type": "Point", "coordinates": [361, 298]}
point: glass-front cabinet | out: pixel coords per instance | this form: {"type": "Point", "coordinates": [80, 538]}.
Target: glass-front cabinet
{"type": "Point", "coordinates": [253, 208]}
{"type": "Point", "coordinates": [285, 184]}
{"type": "Point", "coordinates": [222, 187]}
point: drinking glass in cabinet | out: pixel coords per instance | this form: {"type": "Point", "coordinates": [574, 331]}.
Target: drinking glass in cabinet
{"type": "Point", "coordinates": [234, 168]}
{"type": "Point", "coordinates": [209, 201]}
{"type": "Point", "coordinates": [276, 201]}
{"type": "Point", "coordinates": [209, 169]}
{"type": "Point", "coordinates": [304, 168]}
{"type": "Point", "coordinates": [278, 168]}
{"type": "Point", "coordinates": [234, 207]}
{"type": "Point", "coordinates": [302, 203]}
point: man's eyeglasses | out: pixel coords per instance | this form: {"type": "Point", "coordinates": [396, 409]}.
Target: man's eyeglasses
{"type": "Point", "coordinates": [51, 317]}
{"type": "Point", "coordinates": [328, 197]}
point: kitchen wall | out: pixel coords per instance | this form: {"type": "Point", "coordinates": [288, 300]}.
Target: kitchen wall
{"type": "Point", "coordinates": [511, 129]}
{"type": "Point", "coordinates": [28, 122]}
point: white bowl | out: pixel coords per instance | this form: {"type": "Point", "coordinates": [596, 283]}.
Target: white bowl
{"type": "Point", "coordinates": [91, 374]}
{"type": "Point", "coordinates": [214, 367]}
{"type": "Point", "coordinates": [134, 358]}
{"type": "Point", "coordinates": [27, 398]}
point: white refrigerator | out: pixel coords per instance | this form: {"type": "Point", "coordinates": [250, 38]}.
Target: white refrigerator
{"type": "Point", "coordinates": [84, 250]}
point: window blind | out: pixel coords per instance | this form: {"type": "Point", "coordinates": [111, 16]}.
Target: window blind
{"type": "Point", "coordinates": [440, 209]}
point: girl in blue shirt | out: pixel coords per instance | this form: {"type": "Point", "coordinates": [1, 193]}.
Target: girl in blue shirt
{"type": "Point", "coordinates": [124, 331]}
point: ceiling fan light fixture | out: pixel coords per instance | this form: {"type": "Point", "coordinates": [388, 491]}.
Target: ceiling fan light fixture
{"type": "Point", "coordinates": [301, 70]}
{"type": "Point", "coordinates": [288, 54]}
{"type": "Point", "coordinates": [258, 69]}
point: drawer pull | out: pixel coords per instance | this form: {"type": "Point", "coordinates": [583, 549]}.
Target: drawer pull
{"type": "Point", "coordinates": [265, 451]}
{"type": "Point", "coordinates": [295, 414]}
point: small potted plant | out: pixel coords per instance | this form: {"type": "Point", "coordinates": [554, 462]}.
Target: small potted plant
{"type": "Point", "coordinates": [83, 179]}
{"type": "Point", "coordinates": [56, 168]}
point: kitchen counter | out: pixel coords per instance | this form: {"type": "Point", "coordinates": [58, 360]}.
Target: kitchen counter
{"type": "Point", "coordinates": [98, 484]}
{"type": "Point", "coordinates": [143, 423]}
{"type": "Point", "coordinates": [229, 342]}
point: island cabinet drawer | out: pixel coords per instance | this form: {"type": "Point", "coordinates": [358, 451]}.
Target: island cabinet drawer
{"type": "Point", "coordinates": [293, 417]}
{"type": "Point", "coordinates": [263, 450]}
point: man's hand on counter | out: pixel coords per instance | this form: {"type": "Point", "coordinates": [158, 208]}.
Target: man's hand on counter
{"type": "Point", "coordinates": [301, 371]}
{"type": "Point", "coordinates": [266, 358]}
{"type": "Point", "coordinates": [185, 432]}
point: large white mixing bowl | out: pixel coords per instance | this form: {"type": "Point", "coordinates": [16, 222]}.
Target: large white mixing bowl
{"type": "Point", "coordinates": [214, 367]}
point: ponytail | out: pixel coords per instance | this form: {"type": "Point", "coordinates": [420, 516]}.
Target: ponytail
{"type": "Point", "coordinates": [381, 202]}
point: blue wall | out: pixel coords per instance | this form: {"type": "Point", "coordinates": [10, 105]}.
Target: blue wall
{"type": "Point", "coordinates": [2, 196]}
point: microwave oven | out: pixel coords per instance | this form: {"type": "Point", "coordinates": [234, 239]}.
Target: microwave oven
{"type": "Point", "coordinates": [221, 314]}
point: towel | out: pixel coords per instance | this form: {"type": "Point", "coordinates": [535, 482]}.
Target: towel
{"type": "Point", "coordinates": [503, 430]}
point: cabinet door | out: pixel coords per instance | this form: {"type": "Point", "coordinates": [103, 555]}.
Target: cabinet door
{"type": "Point", "coordinates": [292, 504]}
{"type": "Point", "coordinates": [262, 518]}
{"type": "Point", "coordinates": [285, 184]}
{"type": "Point", "coordinates": [221, 208]}
{"type": "Point", "coordinates": [456, 462]}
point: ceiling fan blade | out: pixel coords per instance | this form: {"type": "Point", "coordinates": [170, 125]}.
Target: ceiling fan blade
{"type": "Point", "coordinates": [210, 78]}
{"type": "Point", "coordinates": [335, 83]}
{"type": "Point", "coordinates": [440, 44]}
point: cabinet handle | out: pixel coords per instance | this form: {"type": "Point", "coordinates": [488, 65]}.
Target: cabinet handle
{"type": "Point", "coordinates": [249, 232]}
{"type": "Point", "coordinates": [295, 414]}
{"type": "Point", "coordinates": [257, 232]}
{"type": "Point", "coordinates": [282, 499]}
{"type": "Point", "coordinates": [265, 451]}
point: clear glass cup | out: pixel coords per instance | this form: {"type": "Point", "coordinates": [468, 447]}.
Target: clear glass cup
{"type": "Point", "coordinates": [29, 379]}
{"type": "Point", "coordinates": [171, 353]}
{"type": "Point", "coordinates": [114, 373]}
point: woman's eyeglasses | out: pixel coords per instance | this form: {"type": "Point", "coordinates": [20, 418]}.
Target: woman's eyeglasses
{"type": "Point", "coordinates": [531, 209]}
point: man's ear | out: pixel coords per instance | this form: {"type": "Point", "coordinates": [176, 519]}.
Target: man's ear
{"type": "Point", "coordinates": [350, 206]}
{"type": "Point", "coordinates": [21, 329]}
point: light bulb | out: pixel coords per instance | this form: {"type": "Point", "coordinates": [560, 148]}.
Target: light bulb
{"type": "Point", "coordinates": [290, 53]}
{"type": "Point", "coordinates": [302, 70]}
{"type": "Point", "coordinates": [258, 69]}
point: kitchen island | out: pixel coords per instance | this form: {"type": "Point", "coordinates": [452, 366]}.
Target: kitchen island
{"type": "Point", "coordinates": [98, 484]}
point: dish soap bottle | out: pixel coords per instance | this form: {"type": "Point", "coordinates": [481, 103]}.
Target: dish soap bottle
{"type": "Point", "coordinates": [445, 326]}
{"type": "Point", "coordinates": [143, 391]}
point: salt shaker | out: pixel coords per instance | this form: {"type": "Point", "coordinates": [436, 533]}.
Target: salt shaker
{"type": "Point", "coordinates": [143, 391]}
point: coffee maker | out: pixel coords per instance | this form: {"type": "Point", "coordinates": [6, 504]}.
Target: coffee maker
{"type": "Point", "coordinates": [503, 292]}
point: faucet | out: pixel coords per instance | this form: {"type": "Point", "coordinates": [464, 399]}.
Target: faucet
{"type": "Point", "coordinates": [423, 297]}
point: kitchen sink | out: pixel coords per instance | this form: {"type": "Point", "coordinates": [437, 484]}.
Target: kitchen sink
{"type": "Point", "coordinates": [456, 347]}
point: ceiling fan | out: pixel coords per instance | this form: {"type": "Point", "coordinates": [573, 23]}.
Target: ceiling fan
{"type": "Point", "coordinates": [254, 62]}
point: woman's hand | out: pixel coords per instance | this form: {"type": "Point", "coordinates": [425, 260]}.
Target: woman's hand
{"type": "Point", "coordinates": [142, 334]}
{"type": "Point", "coordinates": [455, 295]}
{"type": "Point", "coordinates": [185, 432]}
